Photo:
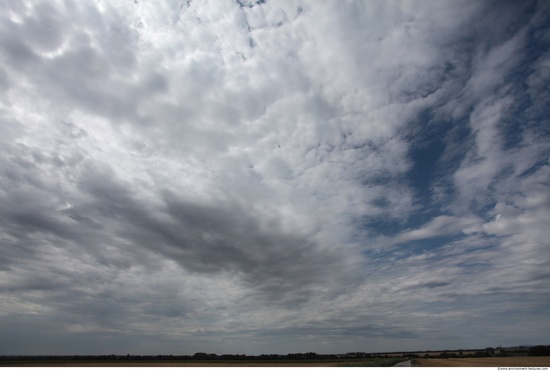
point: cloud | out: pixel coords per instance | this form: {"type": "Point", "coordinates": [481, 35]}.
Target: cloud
{"type": "Point", "coordinates": [239, 177]}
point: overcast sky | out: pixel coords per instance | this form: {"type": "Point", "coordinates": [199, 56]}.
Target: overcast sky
{"type": "Point", "coordinates": [273, 176]}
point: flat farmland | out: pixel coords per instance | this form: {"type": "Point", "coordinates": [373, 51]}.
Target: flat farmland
{"type": "Point", "coordinates": [350, 362]}
{"type": "Point", "coordinates": [485, 362]}
{"type": "Point", "coordinates": [175, 364]}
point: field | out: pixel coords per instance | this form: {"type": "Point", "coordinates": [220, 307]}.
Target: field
{"type": "Point", "coordinates": [485, 362]}
{"type": "Point", "coordinates": [367, 362]}
{"type": "Point", "coordinates": [371, 362]}
{"type": "Point", "coordinates": [173, 364]}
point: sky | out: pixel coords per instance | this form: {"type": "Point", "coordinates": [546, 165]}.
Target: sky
{"type": "Point", "coordinates": [273, 176]}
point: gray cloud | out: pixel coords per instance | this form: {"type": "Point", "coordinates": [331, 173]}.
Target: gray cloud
{"type": "Point", "coordinates": [242, 177]}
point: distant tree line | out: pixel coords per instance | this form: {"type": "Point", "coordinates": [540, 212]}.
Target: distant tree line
{"type": "Point", "coordinates": [539, 350]}
{"type": "Point", "coordinates": [200, 356]}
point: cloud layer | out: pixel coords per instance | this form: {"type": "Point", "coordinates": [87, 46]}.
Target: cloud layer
{"type": "Point", "coordinates": [273, 177]}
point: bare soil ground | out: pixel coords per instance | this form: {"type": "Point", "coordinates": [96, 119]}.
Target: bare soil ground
{"type": "Point", "coordinates": [177, 364]}
{"type": "Point", "coordinates": [485, 362]}
{"type": "Point", "coordinates": [372, 362]}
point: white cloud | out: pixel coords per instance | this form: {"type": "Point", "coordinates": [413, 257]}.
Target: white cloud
{"type": "Point", "coordinates": [200, 169]}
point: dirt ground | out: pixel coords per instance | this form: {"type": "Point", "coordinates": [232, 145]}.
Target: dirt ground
{"type": "Point", "coordinates": [180, 364]}
{"type": "Point", "coordinates": [486, 362]}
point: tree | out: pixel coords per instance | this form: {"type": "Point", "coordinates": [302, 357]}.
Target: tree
{"type": "Point", "coordinates": [540, 350]}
